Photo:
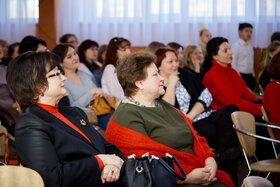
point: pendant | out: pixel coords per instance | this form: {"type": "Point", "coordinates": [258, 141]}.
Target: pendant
{"type": "Point", "coordinates": [83, 122]}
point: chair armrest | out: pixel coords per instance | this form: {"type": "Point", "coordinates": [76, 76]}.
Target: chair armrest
{"type": "Point", "coordinates": [255, 135]}
{"type": "Point", "coordinates": [268, 125]}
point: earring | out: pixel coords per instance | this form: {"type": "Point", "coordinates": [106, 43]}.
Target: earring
{"type": "Point", "coordinates": [42, 94]}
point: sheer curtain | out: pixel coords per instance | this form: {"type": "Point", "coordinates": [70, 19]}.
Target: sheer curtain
{"type": "Point", "coordinates": [143, 21]}
{"type": "Point", "coordinates": [18, 18]}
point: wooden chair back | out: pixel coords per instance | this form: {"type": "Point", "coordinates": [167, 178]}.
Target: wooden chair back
{"type": "Point", "coordinates": [245, 121]}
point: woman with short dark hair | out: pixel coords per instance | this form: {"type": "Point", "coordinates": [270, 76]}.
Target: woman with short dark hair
{"type": "Point", "coordinates": [57, 142]}
{"type": "Point", "coordinates": [143, 124]}
{"type": "Point", "coordinates": [87, 52]}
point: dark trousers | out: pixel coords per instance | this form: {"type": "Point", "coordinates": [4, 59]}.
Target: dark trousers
{"type": "Point", "coordinates": [218, 130]}
{"type": "Point", "coordinates": [219, 133]}
{"type": "Point", "coordinates": [249, 80]}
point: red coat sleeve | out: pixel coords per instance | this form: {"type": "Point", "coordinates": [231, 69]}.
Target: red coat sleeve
{"type": "Point", "coordinates": [271, 103]}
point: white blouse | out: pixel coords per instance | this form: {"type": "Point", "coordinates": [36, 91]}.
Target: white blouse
{"type": "Point", "coordinates": [110, 83]}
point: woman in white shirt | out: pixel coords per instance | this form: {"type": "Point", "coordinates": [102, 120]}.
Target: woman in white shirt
{"type": "Point", "coordinates": [117, 49]}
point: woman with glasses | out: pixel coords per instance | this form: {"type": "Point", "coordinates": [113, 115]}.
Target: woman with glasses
{"type": "Point", "coordinates": [87, 52]}
{"type": "Point", "coordinates": [69, 39]}
{"type": "Point", "coordinates": [117, 49]}
{"type": "Point", "coordinates": [57, 142]}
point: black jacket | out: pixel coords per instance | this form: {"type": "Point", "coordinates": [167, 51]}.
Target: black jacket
{"type": "Point", "coordinates": [61, 155]}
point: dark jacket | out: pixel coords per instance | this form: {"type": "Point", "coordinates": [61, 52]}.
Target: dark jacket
{"type": "Point", "coordinates": [193, 85]}
{"type": "Point", "coordinates": [61, 155]}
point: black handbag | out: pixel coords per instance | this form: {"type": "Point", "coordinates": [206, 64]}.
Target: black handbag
{"type": "Point", "coordinates": [151, 171]}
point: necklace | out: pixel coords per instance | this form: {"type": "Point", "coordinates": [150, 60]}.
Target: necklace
{"type": "Point", "coordinates": [139, 104]}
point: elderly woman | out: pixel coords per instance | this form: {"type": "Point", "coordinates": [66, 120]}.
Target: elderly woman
{"type": "Point", "coordinates": [185, 91]}
{"type": "Point", "coordinates": [141, 124]}
{"type": "Point", "coordinates": [224, 83]}
{"type": "Point", "coordinates": [57, 142]}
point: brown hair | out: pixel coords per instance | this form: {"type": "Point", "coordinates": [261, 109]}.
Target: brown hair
{"type": "Point", "coordinates": [274, 67]}
{"type": "Point", "coordinates": [111, 52]}
{"type": "Point", "coordinates": [61, 51]}
{"type": "Point", "coordinates": [161, 54]}
{"type": "Point", "coordinates": [132, 68]}
{"type": "Point", "coordinates": [26, 76]}
{"type": "Point", "coordinates": [273, 46]}
{"type": "Point", "coordinates": [187, 62]}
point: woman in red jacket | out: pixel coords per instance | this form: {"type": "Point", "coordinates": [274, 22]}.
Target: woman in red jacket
{"type": "Point", "coordinates": [224, 83]}
{"type": "Point", "coordinates": [271, 99]}
{"type": "Point", "coordinates": [227, 87]}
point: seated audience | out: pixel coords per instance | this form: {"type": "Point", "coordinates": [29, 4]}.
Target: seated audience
{"type": "Point", "coordinates": [185, 91]}
{"type": "Point", "coordinates": [153, 46]}
{"type": "Point", "coordinates": [273, 48]}
{"type": "Point", "coordinates": [204, 37]}
{"type": "Point", "coordinates": [57, 142]}
{"type": "Point", "coordinates": [179, 51]}
{"type": "Point", "coordinates": [80, 88]}
{"type": "Point", "coordinates": [142, 124]}
{"type": "Point", "coordinates": [116, 50]}
{"type": "Point", "coordinates": [87, 52]}
{"type": "Point", "coordinates": [271, 99]}
{"type": "Point", "coordinates": [8, 113]}
{"type": "Point", "coordinates": [69, 39]}
{"type": "Point", "coordinates": [224, 83]}
{"type": "Point", "coordinates": [193, 59]}
{"type": "Point", "coordinates": [31, 43]}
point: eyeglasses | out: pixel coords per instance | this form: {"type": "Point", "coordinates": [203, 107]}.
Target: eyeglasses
{"type": "Point", "coordinates": [55, 74]}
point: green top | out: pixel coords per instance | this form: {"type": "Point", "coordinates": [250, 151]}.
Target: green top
{"type": "Point", "coordinates": [163, 124]}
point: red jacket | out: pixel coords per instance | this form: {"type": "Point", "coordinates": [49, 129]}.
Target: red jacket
{"type": "Point", "coordinates": [227, 87]}
{"type": "Point", "coordinates": [271, 103]}
{"type": "Point", "coordinates": [132, 142]}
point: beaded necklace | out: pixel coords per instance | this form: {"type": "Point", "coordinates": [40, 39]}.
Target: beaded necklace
{"type": "Point", "coordinates": [139, 104]}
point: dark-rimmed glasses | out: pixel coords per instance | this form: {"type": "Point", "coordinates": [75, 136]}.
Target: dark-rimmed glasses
{"type": "Point", "coordinates": [55, 74]}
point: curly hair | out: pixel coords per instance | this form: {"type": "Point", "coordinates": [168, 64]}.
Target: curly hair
{"type": "Point", "coordinates": [132, 68]}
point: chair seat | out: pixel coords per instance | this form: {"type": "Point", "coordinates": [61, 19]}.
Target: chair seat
{"type": "Point", "coordinates": [254, 181]}
{"type": "Point", "coordinates": [272, 165]}
{"type": "Point", "coordinates": [17, 176]}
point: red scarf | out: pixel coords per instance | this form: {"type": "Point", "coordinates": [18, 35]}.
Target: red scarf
{"type": "Point", "coordinates": [132, 142]}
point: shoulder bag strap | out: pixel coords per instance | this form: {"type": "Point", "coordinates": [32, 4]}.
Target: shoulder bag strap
{"type": "Point", "coordinates": [171, 170]}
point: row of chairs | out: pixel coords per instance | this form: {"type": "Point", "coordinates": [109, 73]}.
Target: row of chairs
{"type": "Point", "coordinates": [245, 125]}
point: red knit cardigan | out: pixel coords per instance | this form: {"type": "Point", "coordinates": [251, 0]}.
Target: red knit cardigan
{"type": "Point", "coordinates": [227, 87]}
{"type": "Point", "coordinates": [132, 142]}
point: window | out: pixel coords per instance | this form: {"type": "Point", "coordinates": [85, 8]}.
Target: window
{"type": "Point", "coordinates": [30, 10]}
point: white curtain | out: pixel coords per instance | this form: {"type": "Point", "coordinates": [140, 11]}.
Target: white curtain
{"type": "Point", "coordinates": [18, 18]}
{"type": "Point", "coordinates": [143, 21]}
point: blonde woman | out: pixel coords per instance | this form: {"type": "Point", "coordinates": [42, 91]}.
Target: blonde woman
{"type": "Point", "coordinates": [192, 59]}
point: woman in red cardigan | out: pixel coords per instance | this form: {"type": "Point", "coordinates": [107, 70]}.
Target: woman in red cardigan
{"type": "Point", "coordinates": [143, 124]}
{"type": "Point", "coordinates": [271, 99]}
{"type": "Point", "coordinates": [224, 83]}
